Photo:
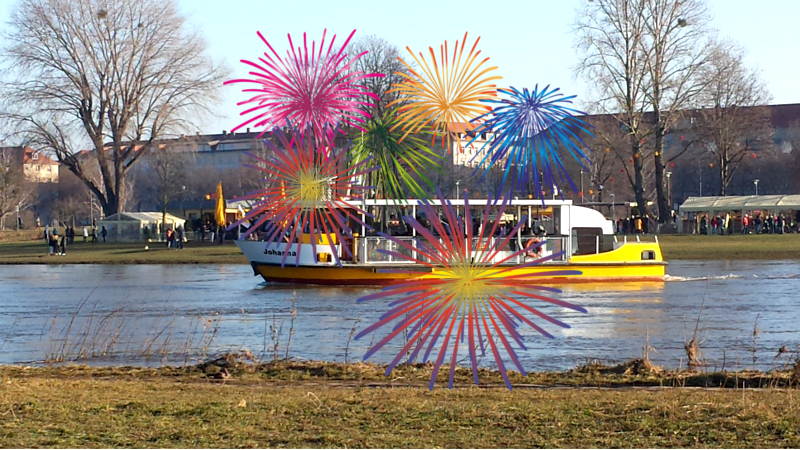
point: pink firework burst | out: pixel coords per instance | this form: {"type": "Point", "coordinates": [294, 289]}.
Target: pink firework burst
{"type": "Point", "coordinates": [472, 290]}
{"type": "Point", "coordinates": [315, 89]}
{"type": "Point", "coordinates": [307, 195]}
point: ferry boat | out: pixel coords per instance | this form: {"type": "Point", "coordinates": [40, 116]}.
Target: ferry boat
{"type": "Point", "coordinates": [582, 236]}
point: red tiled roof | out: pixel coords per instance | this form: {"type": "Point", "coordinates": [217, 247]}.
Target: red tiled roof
{"type": "Point", "coordinates": [28, 155]}
{"type": "Point", "coordinates": [34, 157]}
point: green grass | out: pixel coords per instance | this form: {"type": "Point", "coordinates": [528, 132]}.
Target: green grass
{"type": "Point", "coordinates": [269, 406]}
{"type": "Point", "coordinates": [733, 247]}
{"type": "Point", "coordinates": [35, 252]}
{"type": "Point", "coordinates": [674, 247]}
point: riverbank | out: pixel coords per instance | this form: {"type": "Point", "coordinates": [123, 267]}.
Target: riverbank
{"type": "Point", "coordinates": [337, 405]}
{"type": "Point", "coordinates": [35, 252]}
{"type": "Point", "coordinates": [733, 247]}
{"type": "Point", "coordinates": [674, 247]}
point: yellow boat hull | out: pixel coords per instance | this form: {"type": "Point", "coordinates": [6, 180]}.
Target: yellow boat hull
{"type": "Point", "coordinates": [353, 276]}
{"type": "Point", "coordinates": [632, 261]}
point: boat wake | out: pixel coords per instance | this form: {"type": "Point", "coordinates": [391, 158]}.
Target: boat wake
{"type": "Point", "coordinates": [720, 277]}
{"type": "Point", "coordinates": [732, 277]}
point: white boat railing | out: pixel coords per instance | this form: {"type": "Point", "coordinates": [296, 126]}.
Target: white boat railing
{"type": "Point", "coordinates": [368, 250]}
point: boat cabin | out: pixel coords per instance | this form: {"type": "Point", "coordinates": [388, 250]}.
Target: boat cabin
{"type": "Point", "coordinates": [564, 227]}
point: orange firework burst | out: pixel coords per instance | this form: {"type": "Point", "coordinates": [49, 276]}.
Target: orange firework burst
{"type": "Point", "coordinates": [445, 94]}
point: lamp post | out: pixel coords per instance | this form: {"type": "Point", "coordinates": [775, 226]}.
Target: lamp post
{"type": "Point", "coordinates": [17, 217]}
{"type": "Point", "coordinates": [581, 185]}
{"type": "Point", "coordinates": [91, 207]}
{"type": "Point", "coordinates": [756, 183]}
{"type": "Point", "coordinates": [457, 196]}
{"type": "Point", "coordinates": [669, 190]}
{"type": "Point", "coordinates": [613, 213]}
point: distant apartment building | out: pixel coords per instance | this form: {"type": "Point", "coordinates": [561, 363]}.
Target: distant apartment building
{"type": "Point", "coordinates": [36, 166]}
{"type": "Point", "coordinates": [470, 149]}
{"type": "Point", "coordinates": [222, 151]}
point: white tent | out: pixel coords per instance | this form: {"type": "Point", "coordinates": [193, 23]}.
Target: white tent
{"type": "Point", "coordinates": [130, 226]}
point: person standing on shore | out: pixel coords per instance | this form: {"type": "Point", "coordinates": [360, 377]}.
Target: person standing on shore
{"type": "Point", "coordinates": [104, 233]}
{"type": "Point", "coordinates": [85, 235]}
{"type": "Point", "coordinates": [62, 245]}
{"type": "Point", "coordinates": [94, 234]}
{"type": "Point", "coordinates": [179, 237]}
{"type": "Point", "coordinates": [53, 242]}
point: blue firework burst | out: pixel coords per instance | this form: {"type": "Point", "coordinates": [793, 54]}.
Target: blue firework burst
{"type": "Point", "coordinates": [531, 131]}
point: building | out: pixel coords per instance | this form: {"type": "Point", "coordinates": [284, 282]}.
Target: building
{"type": "Point", "coordinates": [36, 166]}
{"type": "Point", "coordinates": [469, 149]}
{"type": "Point", "coordinates": [223, 151]}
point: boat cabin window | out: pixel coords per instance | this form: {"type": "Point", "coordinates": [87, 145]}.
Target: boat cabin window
{"type": "Point", "coordinates": [648, 255]}
{"type": "Point", "coordinates": [543, 220]}
{"type": "Point", "coordinates": [585, 241]}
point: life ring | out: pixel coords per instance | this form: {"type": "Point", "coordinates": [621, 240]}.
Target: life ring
{"type": "Point", "coordinates": [535, 252]}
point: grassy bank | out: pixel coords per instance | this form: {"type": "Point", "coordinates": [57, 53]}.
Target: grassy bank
{"type": "Point", "coordinates": [734, 247]}
{"type": "Point", "coordinates": [35, 252]}
{"type": "Point", "coordinates": [675, 247]}
{"type": "Point", "coordinates": [335, 405]}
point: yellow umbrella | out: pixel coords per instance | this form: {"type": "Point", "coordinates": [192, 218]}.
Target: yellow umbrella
{"type": "Point", "coordinates": [219, 212]}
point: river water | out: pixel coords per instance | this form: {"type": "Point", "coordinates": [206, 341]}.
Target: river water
{"type": "Point", "coordinates": [154, 314]}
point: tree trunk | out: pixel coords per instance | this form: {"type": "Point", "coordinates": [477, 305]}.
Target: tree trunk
{"type": "Point", "coordinates": [638, 188]}
{"type": "Point", "coordinates": [658, 158]}
{"type": "Point", "coordinates": [723, 173]}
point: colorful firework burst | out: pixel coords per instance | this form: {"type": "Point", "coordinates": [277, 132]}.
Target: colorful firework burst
{"type": "Point", "coordinates": [470, 288]}
{"type": "Point", "coordinates": [307, 194]}
{"type": "Point", "coordinates": [396, 159]}
{"type": "Point", "coordinates": [315, 89]}
{"type": "Point", "coordinates": [445, 94]}
{"type": "Point", "coordinates": [530, 129]}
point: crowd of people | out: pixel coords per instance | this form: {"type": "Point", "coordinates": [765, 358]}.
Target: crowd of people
{"type": "Point", "coordinates": [634, 225]}
{"type": "Point", "coordinates": [751, 224]}
{"type": "Point", "coordinates": [57, 243]}
{"type": "Point", "coordinates": [210, 231]}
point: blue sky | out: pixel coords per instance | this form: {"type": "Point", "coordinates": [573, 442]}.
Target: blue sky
{"type": "Point", "coordinates": [531, 41]}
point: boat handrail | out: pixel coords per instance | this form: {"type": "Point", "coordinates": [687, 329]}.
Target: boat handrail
{"type": "Point", "coordinates": [368, 247]}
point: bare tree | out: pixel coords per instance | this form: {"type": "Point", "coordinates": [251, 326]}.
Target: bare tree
{"type": "Point", "coordinates": [610, 43]}
{"type": "Point", "coordinates": [111, 74]}
{"type": "Point", "coordinates": [381, 58]}
{"type": "Point", "coordinates": [675, 48]}
{"type": "Point", "coordinates": [168, 169]}
{"type": "Point", "coordinates": [16, 193]}
{"type": "Point", "coordinates": [731, 125]}
{"type": "Point", "coordinates": [611, 148]}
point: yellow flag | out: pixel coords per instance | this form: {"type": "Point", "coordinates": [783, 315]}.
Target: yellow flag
{"type": "Point", "coordinates": [219, 213]}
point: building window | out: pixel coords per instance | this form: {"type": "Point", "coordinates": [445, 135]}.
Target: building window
{"type": "Point", "coordinates": [49, 168]}
{"type": "Point", "coordinates": [38, 168]}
